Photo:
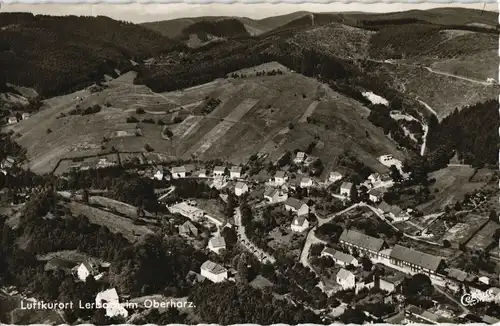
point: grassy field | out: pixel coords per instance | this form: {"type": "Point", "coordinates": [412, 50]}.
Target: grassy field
{"type": "Point", "coordinates": [452, 184]}
{"type": "Point", "coordinates": [484, 237]}
{"type": "Point", "coordinates": [117, 206]}
{"type": "Point", "coordinates": [115, 223]}
{"type": "Point", "coordinates": [253, 117]}
{"type": "Point", "coordinates": [69, 255]}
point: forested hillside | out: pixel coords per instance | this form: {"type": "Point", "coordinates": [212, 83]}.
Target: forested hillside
{"type": "Point", "coordinates": [472, 132]}
{"type": "Point", "coordinates": [55, 55]}
{"type": "Point", "coordinates": [220, 28]}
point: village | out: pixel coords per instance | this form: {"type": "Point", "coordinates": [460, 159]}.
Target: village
{"type": "Point", "coordinates": [328, 231]}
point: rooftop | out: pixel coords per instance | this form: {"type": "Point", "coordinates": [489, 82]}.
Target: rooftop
{"type": "Point", "coordinates": [280, 174]}
{"type": "Point", "coordinates": [362, 240]}
{"type": "Point", "coordinates": [457, 274]}
{"type": "Point", "coordinates": [416, 257]}
{"type": "Point", "coordinates": [236, 169]}
{"type": "Point", "coordinates": [178, 169]}
{"type": "Point", "coordinates": [270, 192]}
{"type": "Point", "coordinates": [299, 220]}
{"type": "Point", "coordinates": [346, 185]}
{"type": "Point", "coordinates": [240, 185]}
{"type": "Point", "coordinates": [344, 273]}
{"type": "Point", "coordinates": [218, 242]}
{"type": "Point", "coordinates": [213, 268]}
{"type": "Point", "coordinates": [294, 202]}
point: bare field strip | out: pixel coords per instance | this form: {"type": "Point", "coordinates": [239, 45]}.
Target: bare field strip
{"type": "Point", "coordinates": [221, 128]}
{"type": "Point", "coordinates": [309, 111]}
{"type": "Point", "coordinates": [186, 126]}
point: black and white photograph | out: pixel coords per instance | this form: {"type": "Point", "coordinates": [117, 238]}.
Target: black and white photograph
{"type": "Point", "coordinates": [249, 163]}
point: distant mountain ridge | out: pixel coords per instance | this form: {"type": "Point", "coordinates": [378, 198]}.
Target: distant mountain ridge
{"type": "Point", "coordinates": [440, 16]}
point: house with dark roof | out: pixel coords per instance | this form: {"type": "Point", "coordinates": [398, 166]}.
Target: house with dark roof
{"type": "Point", "coordinates": [216, 244]}
{"type": "Point", "coordinates": [235, 172]}
{"type": "Point", "coordinates": [364, 244]}
{"type": "Point", "coordinates": [376, 194]}
{"type": "Point", "coordinates": [415, 261]}
{"type": "Point", "coordinates": [346, 189]}
{"type": "Point", "coordinates": [418, 315]}
{"type": "Point", "coordinates": [280, 178]}
{"type": "Point", "coordinates": [275, 195]}
{"type": "Point", "coordinates": [456, 274]}
{"type": "Point", "coordinates": [391, 282]}
{"type": "Point", "coordinates": [178, 172]}
{"type": "Point", "coordinates": [339, 257]}
{"type": "Point", "coordinates": [7, 163]}
{"type": "Point", "coordinates": [296, 206]}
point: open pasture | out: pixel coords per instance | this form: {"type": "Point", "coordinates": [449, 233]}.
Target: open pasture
{"type": "Point", "coordinates": [257, 114]}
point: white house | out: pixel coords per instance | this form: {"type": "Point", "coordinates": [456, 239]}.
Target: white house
{"type": "Point", "coordinates": [110, 301]}
{"type": "Point", "coordinates": [188, 229]}
{"type": "Point", "coordinates": [296, 206]}
{"type": "Point", "coordinates": [216, 244]}
{"type": "Point", "coordinates": [299, 158]}
{"type": "Point", "coordinates": [178, 172]}
{"type": "Point", "coordinates": [280, 178]}
{"type": "Point", "coordinates": [7, 163]}
{"type": "Point", "coordinates": [346, 279]}
{"type": "Point", "coordinates": [389, 160]}
{"type": "Point", "coordinates": [306, 182]}
{"type": "Point", "coordinates": [159, 173]}
{"type": "Point", "coordinates": [374, 178]}
{"type": "Point", "coordinates": [390, 283]}
{"type": "Point", "coordinates": [484, 279]}
{"type": "Point", "coordinates": [376, 195]}
{"type": "Point", "coordinates": [214, 272]}
{"type": "Point", "coordinates": [235, 172]}
{"type": "Point", "coordinates": [275, 195]}
{"type": "Point", "coordinates": [346, 189]}
{"type": "Point", "coordinates": [200, 173]}
{"type": "Point", "coordinates": [26, 115]}
{"type": "Point", "coordinates": [85, 269]}
{"type": "Point", "coordinates": [339, 257]}
{"type": "Point", "coordinates": [300, 224]}
{"type": "Point", "coordinates": [240, 188]}
{"type": "Point", "coordinates": [193, 213]}
{"type": "Point", "coordinates": [12, 120]}
{"type": "Point", "coordinates": [335, 176]}
{"type": "Point", "coordinates": [219, 170]}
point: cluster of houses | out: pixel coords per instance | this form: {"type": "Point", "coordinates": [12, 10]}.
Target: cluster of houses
{"type": "Point", "coordinates": [15, 119]}
{"type": "Point", "coordinates": [399, 258]}
{"type": "Point", "coordinates": [7, 164]}
{"type": "Point", "coordinates": [97, 163]}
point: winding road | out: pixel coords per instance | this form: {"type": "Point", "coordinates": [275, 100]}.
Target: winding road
{"type": "Point", "coordinates": [437, 72]}
{"type": "Point", "coordinates": [250, 246]}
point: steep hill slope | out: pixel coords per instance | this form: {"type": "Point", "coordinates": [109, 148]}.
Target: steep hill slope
{"type": "Point", "coordinates": [54, 55]}
{"type": "Point", "coordinates": [174, 28]}
{"type": "Point", "coordinates": [437, 16]}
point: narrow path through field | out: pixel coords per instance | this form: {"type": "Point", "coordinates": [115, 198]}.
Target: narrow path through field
{"type": "Point", "coordinates": [437, 72]}
{"type": "Point", "coordinates": [221, 128]}
{"type": "Point", "coordinates": [309, 111]}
